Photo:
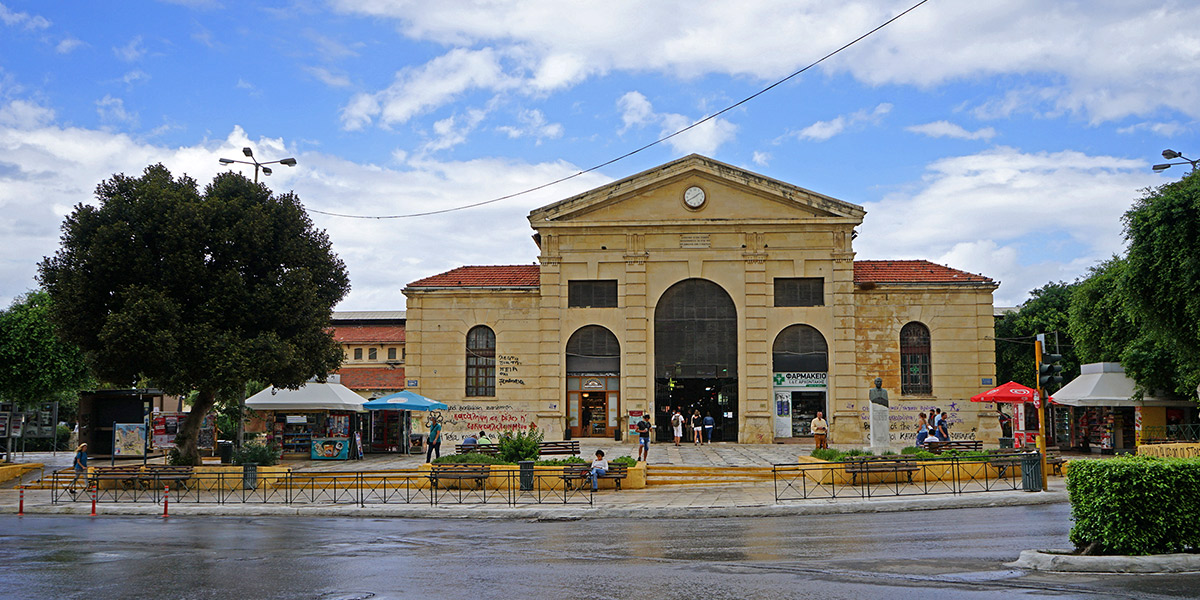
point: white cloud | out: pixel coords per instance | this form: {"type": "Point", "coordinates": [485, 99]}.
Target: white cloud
{"type": "Point", "coordinates": [22, 114]}
{"type": "Point", "coordinates": [112, 110]}
{"type": "Point", "coordinates": [938, 129]}
{"type": "Point", "coordinates": [418, 90]}
{"type": "Point", "coordinates": [50, 168]}
{"type": "Point", "coordinates": [705, 138]}
{"type": "Point", "coordinates": [452, 131]}
{"type": "Point", "coordinates": [328, 77]}
{"type": "Point", "coordinates": [1167, 129]}
{"type": "Point", "coordinates": [1127, 59]}
{"type": "Point", "coordinates": [823, 130]}
{"type": "Point", "coordinates": [1058, 211]}
{"type": "Point", "coordinates": [22, 19]}
{"type": "Point", "coordinates": [762, 159]}
{"type": "Point", "coordinates": [68, 45]}
{"type": "Point", "coordinates": [532, 124]}
{"type": "Point", "coordinates": [132, 51]}
{"type": "Point", "coordinates": [135, 76]}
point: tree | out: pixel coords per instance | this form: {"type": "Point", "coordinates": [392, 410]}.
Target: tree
{"type": "Point", "coordinates": [1162, 280]}
{"type": "Point", "coordinates": [35, 364]}
{"type": "Point", "coordinates": [196, 291]}
{"type": "Point", "coordinates": [1046, 311]}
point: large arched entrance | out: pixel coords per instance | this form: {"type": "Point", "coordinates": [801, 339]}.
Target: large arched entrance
{"type": "Point", "coordinates": [696, 357]}
{"type": "Point", "coordinates": [593, 382]}
{"type": "Point", "coordinates": [800, 365]}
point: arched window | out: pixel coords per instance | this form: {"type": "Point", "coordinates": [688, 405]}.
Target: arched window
{"type": "Point", "coordinates": [593, 349]}
{"type": "Point", "coordinates": [800, 348]}
{"type": "Point", "coordinates": [916, 377]}
{"type": "Point", "coordinates": [481, 361]}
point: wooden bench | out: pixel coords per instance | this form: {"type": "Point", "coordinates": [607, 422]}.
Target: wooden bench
{"type": "Point", "coordinates": [578, 474]}
{"type": "Point", "coordinates": [959, 445]}
{"type": "Point", "coordinates": [544, 448]}
{"type": "Point", "coordinates": [1005, 458]}
{"type": "Point", "coordinates": [459, 473]}
{"type": "Point", "coordinates": [128, 475]}
{"type": "Point", "coordinates": [880, 465]}
{"type": "Point", "coordinates": [157, 474]}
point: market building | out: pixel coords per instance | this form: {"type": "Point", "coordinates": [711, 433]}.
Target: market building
{"type": "Point", "coordinates": [704, 287]}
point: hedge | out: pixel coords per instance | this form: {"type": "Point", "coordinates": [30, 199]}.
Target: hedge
{"type": "Point", "coordinates": [1135, 505]}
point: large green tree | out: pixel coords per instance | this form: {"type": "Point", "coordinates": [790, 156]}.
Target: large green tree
{"type": "Point", "coordinates": [196, 291]}
{"type": "Point", "coordinates": [35, 364]}
{"type": "Point", "coordinates": [1161, 283]}
{"type": "Point", "coordinates": [1046, 311]}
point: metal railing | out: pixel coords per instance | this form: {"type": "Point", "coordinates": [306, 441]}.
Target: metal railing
{"type": "Point", "coordinates": [1182, 432]}
{"type": "Point", "coordinates": [898, 477]}
{"type": "Point", "coordinates": [360, 488]}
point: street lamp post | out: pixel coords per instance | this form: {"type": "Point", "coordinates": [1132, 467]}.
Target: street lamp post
{"type": "Point", "coordinates": [1172, 155]}
{"type": "Point", "coordinates": [291, 162]}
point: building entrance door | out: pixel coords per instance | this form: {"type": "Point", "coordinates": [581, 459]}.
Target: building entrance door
{"type": "Point", "coordinates": [593, 405]}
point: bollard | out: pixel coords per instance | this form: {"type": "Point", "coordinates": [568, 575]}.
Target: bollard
{"type": "Point", "coordinates": [93, 502]}
{"type": "Point", "coordinates": [166, 498]}
{"type": "Point", "coordinates": [21, 506]}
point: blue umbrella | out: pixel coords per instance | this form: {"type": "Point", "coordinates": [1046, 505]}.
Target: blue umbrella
{"type": "Point", "coordinates": [405, 400]}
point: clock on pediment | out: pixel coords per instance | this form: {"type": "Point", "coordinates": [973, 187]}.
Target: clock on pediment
{"type": "Point", "coordinates": [694, 197]}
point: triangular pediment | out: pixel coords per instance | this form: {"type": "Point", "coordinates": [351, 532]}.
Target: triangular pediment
{"type": "Point", "coordinates": [730, 194]}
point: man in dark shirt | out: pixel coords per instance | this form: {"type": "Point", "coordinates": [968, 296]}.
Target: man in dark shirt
{"type": "Point", "coordinates": [643, 429]}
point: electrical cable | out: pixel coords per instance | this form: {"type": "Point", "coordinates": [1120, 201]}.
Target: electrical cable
{"type": "Point", "coordinates": [636, 150]}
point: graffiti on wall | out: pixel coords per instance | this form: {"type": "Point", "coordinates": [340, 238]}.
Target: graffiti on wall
{"type": "Point", "coordinates": [461, 419]}
{"type": "Point", "coordinates": [902, 420]}
{"type": "Point", "coordinates": [508, 370]}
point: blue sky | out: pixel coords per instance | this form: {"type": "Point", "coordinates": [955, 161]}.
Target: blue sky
{"type": "Point", "coordinates": [1004, 137]}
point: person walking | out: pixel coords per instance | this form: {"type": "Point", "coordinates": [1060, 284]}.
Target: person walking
{"type": "Point", "coordinates": [709, 423]}
{"type": "Point", "coordinates": [79, 464]}
{"type": "Point", "coordinates": [697, 428]}
{"type": "Point", "coordinates": [943, 429]}
{"type": "Point", "coordinates": [677, 425]}
{"type": "Point", "coordinates": [599, 468]}
{"type": "Point", "coordinates": [820, 431]}
{"type": "Point", "coordinates": [643, 429]}
{"type": "Point", "coordinates": [922, 429]}
{"type": "Point", "coordinates": [435, 439]}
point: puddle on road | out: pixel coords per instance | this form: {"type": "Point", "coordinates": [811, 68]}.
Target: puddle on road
{"type": "Point", "coordinates": [978, 576]}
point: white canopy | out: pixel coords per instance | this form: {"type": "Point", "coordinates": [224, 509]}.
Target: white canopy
{"type": "Point", "coordinates": [312, 396]}
{"type": "Point", "coordinates": [1105, 384]}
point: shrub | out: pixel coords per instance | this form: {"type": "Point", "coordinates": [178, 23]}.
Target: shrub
{"type": "Point", "coordinates": [560, 462]}
{"type": "Point", "coordinates": [624, 460]}
{"type": "Point", "coordinates": [857, 452]}
{"type": "Point", "coordinates": [176, 458]}
{"type": "Point", "coordinates": [827, 454]}
{"type": "Point", "coordinates": [260, 454]}
{"type": "Point", "coordinates": [472, 458]}
{"type": "Point", "coordinates": [1135, 505]}
{"type": "Point", "coordinates": [516, 446]}
{"type": "Point", "coordinates": [910, 450]}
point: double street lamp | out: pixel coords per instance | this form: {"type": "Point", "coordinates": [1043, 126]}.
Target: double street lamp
{"type": "Point", "coordinates": [1172, 155]}
{"type": "Point", "coordinates": [291, 162]}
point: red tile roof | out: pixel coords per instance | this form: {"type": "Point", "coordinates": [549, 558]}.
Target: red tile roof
{"type": "Point", "coordinates": [911, 271]}
{"type": "Point", "coordinates": [489, 276]}
{"type": "Point", "coordinates": [373, 378]}
{"type": "Point", "coordinates": [361, 334]}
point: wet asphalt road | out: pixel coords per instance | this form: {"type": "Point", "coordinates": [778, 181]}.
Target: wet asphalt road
{"type": "Point", "coordinates": [947, 554]}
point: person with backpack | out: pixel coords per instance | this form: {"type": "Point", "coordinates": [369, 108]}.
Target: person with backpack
{"type": "Point", "coordinates": [677, 426]}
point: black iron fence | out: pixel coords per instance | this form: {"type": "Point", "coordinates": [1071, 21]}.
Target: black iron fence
{"type": "Point", "coordinates": [360, 488]}
{"type": "Point", "coordinates": [905, 476]}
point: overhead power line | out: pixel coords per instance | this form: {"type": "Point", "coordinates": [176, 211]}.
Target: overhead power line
{"type": "Point", "coordinates": [641, 148]}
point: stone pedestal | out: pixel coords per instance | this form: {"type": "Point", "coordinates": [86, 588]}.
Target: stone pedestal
{"type": "Point", "coordinates": [881, 429]}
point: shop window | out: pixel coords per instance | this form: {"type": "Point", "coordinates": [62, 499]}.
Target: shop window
{"type": "Point", "coordinates": [800, 349]}
{"type": "Point", "coordinates": [916, 377]}
{"type": "Point", "coordinates": [799, 291]}
{"type": "Point", "coordinates": [589, 293]}
{"type": "Point", "coordinates": [392, 353]}
{"type": "Point", "coordinates": [358, 354]}
{"type": "Point", "coordinates": [481, 361]}
{"type": "Point", "coordinates": [372, 354]}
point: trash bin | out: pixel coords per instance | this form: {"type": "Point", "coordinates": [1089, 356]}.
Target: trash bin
{"type": "Point", "coordinates": [526, 475]}
{"type": "Point", "coordinates": [250, 476]}
{"type": "Point", "coordinates": [1006, 442]}
{"type": "Point", "coordinates": [225, 451]}
{"type": "Point", "coordinates": [1031, 472]}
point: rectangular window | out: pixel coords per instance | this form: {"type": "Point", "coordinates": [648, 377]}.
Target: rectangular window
{"type": "Point", "coordinates": [358, 354]}
{"type": "Point", "coordinates": [391, 353]}
{"type": "Point", "coordinates": [372, 354]}
{"type": "Point", "coordinates": [592, 293]}
{"type": "Point", "coordinates": [799, 291]}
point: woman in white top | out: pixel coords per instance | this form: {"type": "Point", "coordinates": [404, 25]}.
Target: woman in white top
{"type": "Point", "coordinates": [599, 468]}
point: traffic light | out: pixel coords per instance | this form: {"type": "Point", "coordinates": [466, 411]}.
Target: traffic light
{"type": "Point", "coordinates": [1049, 370]}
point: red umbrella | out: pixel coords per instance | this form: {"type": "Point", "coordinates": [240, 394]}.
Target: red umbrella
{"type": "Point", "coordinates": [1012, 392]}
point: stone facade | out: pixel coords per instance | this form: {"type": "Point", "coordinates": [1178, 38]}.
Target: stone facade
{"type": "Point", "coordinates": [721, 258]}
